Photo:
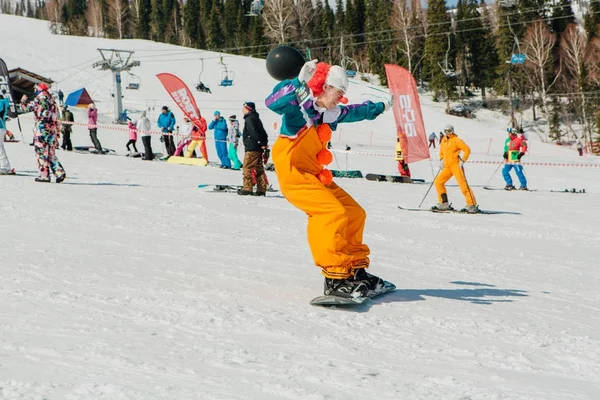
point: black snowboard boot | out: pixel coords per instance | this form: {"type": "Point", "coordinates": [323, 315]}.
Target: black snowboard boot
{"type": "Point", "coordinates": [260, 193]}
{"type": "Point", "coordinates": [347, 288]}
{"type": "Point", "coordinates": [243, 192]}
{"type": "Point", "coordinates": [61, 178]}
{"type": "Point", "coordinates": [373, 283]}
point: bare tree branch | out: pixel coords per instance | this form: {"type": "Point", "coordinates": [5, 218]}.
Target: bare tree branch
{"type": "Point", "coordinates": [279, 18]}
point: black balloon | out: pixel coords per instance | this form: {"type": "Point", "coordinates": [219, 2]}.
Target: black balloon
{"type": "Point", "coordinates": [284, 62]}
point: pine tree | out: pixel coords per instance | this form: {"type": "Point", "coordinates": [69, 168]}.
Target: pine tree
{"type": "Point", "coordinates": [142, 27]}
{"type": "Point", "coordinates": [241, 37]}
{"type": "Point", "coordinates": [192, 25]}
{"type": "Point", "coordinates": [591, 20]}
{"type": "Point", "coordinates": [484, 56]}
{"type": "Point", "coordinates": [230, 26]}
{"type": "Point", "coordinates": [562, 15]}
{"type": "Point", "coordinates": [436, 47]}
{"type": "Point", "coordinates": [214, 37]}
{"type": "Point", "coordinates": [30, 10]}
{"type": "Point", "coordinates": [350, 16]}
{"type": "Point", "coordinates": [555, 131]}
{"type": "Point", "coordinates": [378, 44]}
{"type": "Point", "coordinates": [328, 18]}
{"type": "Point", "coordinates": [157, 25]}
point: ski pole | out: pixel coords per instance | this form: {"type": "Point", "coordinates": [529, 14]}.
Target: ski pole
{"type": "Point", "coordinates": [496, 170]}
{"type": "Point", "coordinates": [467, 182]}
{"type": "Point", "coordinates": [430, 186]}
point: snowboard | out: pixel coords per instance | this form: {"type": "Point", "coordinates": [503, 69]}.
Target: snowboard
{"type": "Point", "coordinates": [454, 211]}
{"type": "Point", "coordinates": [230, 188]}
{"type": "Point", "coordinates": [392, 178]}
{"type": "Point", "coordinates": [11, 141]}
{"type": "Point", "coordinates": [326, 301]}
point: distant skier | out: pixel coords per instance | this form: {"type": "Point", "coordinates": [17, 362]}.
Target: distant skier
{"type": "Point", "coordinates": [255, 142]}
{"type": "Point", "coordinates": [220, 127]}
{"type": "Point", "coordinates": [432, 139]}
{"type": "Point", "coordinates": [132, 125]}
{"type": "Point", "coordinates": [143, 128]}
{"type": "Point", "coordinates": [46, 131]}
{"type": "Point", "coordinates": [580, 148]}
{"type": "Point", "coordinates": [5, 168]}
{"type": "Point", "coordinates": [61, 97]}
{"type": "Point", "coordinates": [514, 149]}
{"type": "Point", "coordinates": [399, 156]}
{"type": "Point", "coordinates": [67, 128]}
{"type": "Point", "coordinates": [93, 127]}
{"type": "Point", "coordinates": [335, 220]}
{"type": "Point", "coordinates": [233, 138]}
{"type": "Point", "coordinates": [451, 164]}
{"type": "Point", "coordinates": [166, 122]}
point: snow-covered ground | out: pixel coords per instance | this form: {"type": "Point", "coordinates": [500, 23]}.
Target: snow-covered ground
{"type": "Point", "coordinates": [129, 282]}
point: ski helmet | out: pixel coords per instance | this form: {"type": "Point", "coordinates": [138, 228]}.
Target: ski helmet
{"type": "Point", "coordinates": [448, 129]}
{"type": "Point", "coordinates": [284, 62]}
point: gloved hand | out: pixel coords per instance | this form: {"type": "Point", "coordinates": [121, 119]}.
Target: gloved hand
{"type": "Point", "coordinates": [308, 70]}
{"type": "Point", "coordinates": [505, 155]}
{"type": "Point", "coordinates": [441, 164]}
{"type": "Point", "coordinates": [388, 103]}
{"type": "Point", "coordinates": [521, 155]}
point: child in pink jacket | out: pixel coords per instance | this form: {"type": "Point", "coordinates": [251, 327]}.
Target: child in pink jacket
{"type": "Point", "coordinates": [132, 125]}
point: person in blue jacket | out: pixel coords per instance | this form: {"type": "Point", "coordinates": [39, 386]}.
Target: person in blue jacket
{"type": "Point", "coordinates": [5, 168]}
{"type": "Point", "coordinates": [166, 122]}
{"type": "Point", "coordinates": [220, 126]}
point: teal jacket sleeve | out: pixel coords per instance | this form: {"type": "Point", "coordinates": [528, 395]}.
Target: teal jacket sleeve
{"type": "Point", "coordinates": [283, 101]}
{"type": "Point", "coordinates": [359, 112]}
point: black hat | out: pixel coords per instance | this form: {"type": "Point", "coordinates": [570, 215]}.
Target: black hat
{"type": "Point", "coordinates": [232, 117]}
{"type": "Point", "coordinates": [250, 105]}
{"type": "Point", "coordinates": [165, 108]}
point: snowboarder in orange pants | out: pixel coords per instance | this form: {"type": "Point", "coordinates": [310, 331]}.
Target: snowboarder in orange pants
{"type": "Point", "coordinates": [310, 108]}
{"type": "Point", "coordinates": [451, 164]}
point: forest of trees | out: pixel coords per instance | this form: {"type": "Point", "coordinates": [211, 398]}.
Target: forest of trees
{"type": "Point", "coordinates": [451, 51]}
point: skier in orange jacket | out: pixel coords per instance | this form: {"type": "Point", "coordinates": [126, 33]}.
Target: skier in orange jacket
{"type": "Point", "coordinates": [310, 106]}
{"type": "Point", "coordinates": [451, 164]}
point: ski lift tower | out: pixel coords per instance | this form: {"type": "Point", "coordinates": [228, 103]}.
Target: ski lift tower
{"type": "Point", "coordinates": [117, 61]}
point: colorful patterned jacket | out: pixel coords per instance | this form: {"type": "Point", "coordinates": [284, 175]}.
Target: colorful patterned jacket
{"type": "Point", "coordinates": [45, 113]}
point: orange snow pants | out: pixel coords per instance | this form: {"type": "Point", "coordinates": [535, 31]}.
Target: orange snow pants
{"type": "Point", "coordinates": [459, 174]}
{"type": "Point", "coordinates": [335, 220]}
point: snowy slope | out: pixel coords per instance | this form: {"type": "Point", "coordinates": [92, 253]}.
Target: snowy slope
{"type": "Point", "coordinates": [129, 282]}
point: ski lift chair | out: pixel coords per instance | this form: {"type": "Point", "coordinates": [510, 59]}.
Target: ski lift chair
{"type": "Point", "coordinates": [226, 78]}
{"type": "Point", "coordinates": [133, 82]}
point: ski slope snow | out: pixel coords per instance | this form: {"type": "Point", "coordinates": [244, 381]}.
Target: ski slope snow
{"type": "Point", "coordinates": [129, 282]}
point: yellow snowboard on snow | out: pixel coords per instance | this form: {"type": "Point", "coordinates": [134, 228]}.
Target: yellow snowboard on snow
{"type": "Point", "coordinates": [201, 162]}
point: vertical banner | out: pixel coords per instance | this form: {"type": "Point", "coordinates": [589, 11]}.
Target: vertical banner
{"type": "Point", "coordinates": [182, 95]}
{"type": "Point", "coordinates": [5, 85]}
{"type": "Point", "coordinates": [407, 113]}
